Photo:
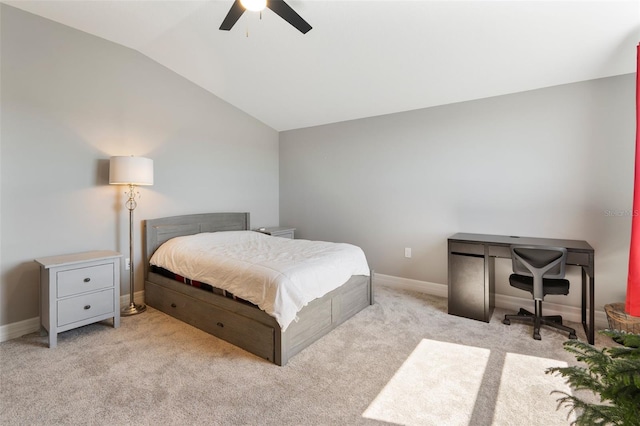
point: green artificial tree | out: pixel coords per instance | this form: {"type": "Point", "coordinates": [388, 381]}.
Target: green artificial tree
{"type": "Point", "coordinates": [611, 373]}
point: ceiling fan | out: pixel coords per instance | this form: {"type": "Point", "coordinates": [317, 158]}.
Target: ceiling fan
{"type": "Point", "coordinates": [281, 8]}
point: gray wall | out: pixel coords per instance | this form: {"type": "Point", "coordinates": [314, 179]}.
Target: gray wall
{"type": "Point", "coordinates": [556, 162]}
{"type": "Point", "coordinates": [69, 102]}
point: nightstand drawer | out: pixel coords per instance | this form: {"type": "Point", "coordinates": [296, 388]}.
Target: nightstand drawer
{"type": "Point", "coordinates": [283, 234]}
{"type": "Point", "coordinates": [82, 280]}
{"type": "Point", "coordinates": [278, 231]}
{"type": "Point", "coordinates": [85, 306]}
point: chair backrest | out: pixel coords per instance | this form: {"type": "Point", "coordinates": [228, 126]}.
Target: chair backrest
{"type": "Point", "coordinates": [539, 262]}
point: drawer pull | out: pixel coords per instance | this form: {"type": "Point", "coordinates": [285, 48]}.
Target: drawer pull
{"type": "Point", "coordinates": [87, 307]}
{"type": "Point", "coordinates": [173, 305]}
{"type": "Point", "coordinates": [86, 280]}
{"type": "Point", "coordinates": [220, 324]}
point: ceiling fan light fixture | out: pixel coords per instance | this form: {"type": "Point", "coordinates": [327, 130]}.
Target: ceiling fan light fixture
{"type": "Point", "coordinates": [254, 5]}
{"type": "Point", "coordinates": [279, 7]}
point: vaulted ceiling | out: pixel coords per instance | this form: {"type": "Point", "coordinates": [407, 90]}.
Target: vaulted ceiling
{"type": "Point", "coordinates": [366, 58]}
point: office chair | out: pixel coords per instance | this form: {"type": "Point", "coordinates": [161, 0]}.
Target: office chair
{"type": "Point", "coordinates": [540, 271]}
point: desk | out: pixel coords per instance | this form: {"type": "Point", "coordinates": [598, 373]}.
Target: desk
{"type": "Point", "coordinates": [471, 266]}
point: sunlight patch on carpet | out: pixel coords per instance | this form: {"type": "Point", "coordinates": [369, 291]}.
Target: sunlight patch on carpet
{"type": "Point", "coordinates": [525, 390]}
{"type": "Point", "coordinates": [437, 384]}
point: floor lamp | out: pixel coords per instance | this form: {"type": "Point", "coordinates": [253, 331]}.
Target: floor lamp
{"type": "Point", "coordinates": [131, 171]}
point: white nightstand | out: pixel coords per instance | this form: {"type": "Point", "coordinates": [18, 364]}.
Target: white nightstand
{"type": "Point", "coordinates": [278, 231]}
{"type": "Point", "coordinates": [78, 289]}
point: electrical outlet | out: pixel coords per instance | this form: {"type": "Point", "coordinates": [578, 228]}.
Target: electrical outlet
{"type": "Point", "coordinates": [127, 264]}
{"type": "Point", "coordinates": [407, 252]}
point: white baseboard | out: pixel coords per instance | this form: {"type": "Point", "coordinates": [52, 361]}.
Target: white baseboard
{"type": "Point", "coordinates": [138, 298]}
{"type": "Point", "coordinates": [18, 329]}
{"type": "Point", "coordinates": [31, 325]}
{"type": "Point", "coordinates": [433, 289]}
{"type": "Point", "coordinates": [510, 303]}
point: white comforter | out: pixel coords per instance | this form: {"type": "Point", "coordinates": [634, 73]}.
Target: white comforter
{"type": "Point", "coordinates": [279, 275]}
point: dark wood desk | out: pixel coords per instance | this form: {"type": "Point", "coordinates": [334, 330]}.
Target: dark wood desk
{"type": "Point", "coordinates": [471, 268]}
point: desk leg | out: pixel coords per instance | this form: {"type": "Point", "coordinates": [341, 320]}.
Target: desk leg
{"type": "Point", "coordinates": [584, 301]}
{"type": "Point", "coordinates": [592, 310]}
{"type": "Point", "coordinates": [588, 286]}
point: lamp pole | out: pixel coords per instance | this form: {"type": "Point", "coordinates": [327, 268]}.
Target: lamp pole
{"type": "Point", "coordinates": [131, 204]}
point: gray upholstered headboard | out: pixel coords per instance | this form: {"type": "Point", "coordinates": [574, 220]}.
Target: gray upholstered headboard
{"type": "Point", "coordinates": [157, 231]}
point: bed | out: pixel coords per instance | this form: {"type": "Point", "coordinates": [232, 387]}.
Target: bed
{"type": "Point", "coordinates": [236, 321]}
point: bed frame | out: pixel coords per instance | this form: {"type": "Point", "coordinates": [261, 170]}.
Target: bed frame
{"type": "Point", "coordinates": [240, 324]}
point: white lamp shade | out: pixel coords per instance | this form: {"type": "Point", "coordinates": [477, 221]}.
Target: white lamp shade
{"type": "Point", "coordinates": [130, 171]}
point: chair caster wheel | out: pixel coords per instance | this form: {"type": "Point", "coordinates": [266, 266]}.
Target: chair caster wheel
{"type": "Point", "coordinates": [573, 336]}
{"type": "Point", "coordinates": [537, 336]}
{"type": "Point", "coordinates": [506, 322]}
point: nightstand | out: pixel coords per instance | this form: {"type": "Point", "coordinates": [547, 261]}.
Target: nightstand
{"type": "Point", "coordinates": [78, 289]}
{"type": "Point", "coordinates": [278, 231]}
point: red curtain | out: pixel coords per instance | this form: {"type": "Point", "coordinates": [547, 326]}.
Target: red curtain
{"type": "Point", "coordinates": [632, 306]}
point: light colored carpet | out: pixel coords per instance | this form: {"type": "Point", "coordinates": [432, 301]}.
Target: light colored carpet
{"type": "Point", "coordinates": [400, 361]}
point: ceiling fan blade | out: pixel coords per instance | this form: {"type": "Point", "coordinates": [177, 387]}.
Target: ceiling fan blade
{"type": "Point", "coordinates": [232, 17]}
{"type": "Point", "coordinates": [285, 12]}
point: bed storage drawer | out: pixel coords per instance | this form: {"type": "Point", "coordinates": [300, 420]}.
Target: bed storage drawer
{"type": "Point", "coordinates": [239, 330]}
{"type": "Point", "coordinates": [300, 334]}
{"type": "Point", "coordinates": [355, 297]}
